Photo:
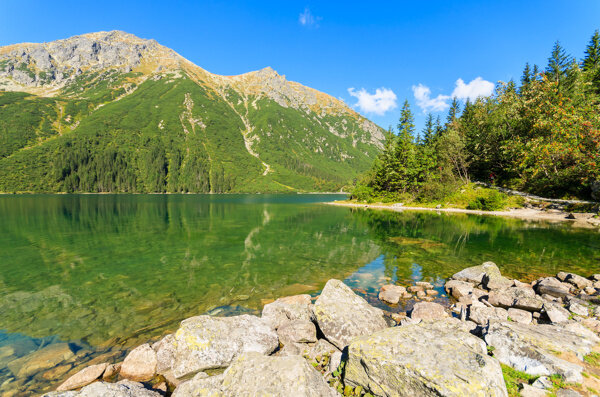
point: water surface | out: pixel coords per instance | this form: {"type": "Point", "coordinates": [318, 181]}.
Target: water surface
{"type": "Point", "coordinates": [107, 272]}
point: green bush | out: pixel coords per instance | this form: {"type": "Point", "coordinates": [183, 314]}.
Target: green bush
{"type": "Point", "coordinates": [493, 201]}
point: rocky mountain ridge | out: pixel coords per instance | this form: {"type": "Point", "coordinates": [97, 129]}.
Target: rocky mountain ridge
{"type": "Point", "coordinates": [297, 137]}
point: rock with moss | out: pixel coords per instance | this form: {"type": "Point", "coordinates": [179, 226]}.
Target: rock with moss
{"type": "Point", "coordinates": [343, 316]}
{"type": "Point", "coordinates": [535, 349]}
{"type": "Point", "coordinates": [286, 309]}
{"type": "Point", "coordinates": [426, 359]}
{"type": "Point", "coordinates": [124, 388]}
{"type": "Point", "coordinates": [253, 374]}
{"type": "Point", "coordinates": [206, 342]}
{"type": "Point", "coordinates": [201, 385]}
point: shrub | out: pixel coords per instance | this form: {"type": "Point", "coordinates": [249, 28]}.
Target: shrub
{"type": "Point", "coordinates": [492, 201]}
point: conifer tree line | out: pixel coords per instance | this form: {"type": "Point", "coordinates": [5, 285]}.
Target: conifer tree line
{"type": "Point", "coordinates": [541, 135]}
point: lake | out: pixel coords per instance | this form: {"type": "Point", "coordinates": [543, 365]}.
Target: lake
{"type": "Point", "coordinates": [90, 276]}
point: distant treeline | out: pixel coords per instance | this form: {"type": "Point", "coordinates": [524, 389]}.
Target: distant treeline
{"type": "Point", "coordinates": [541, 135]}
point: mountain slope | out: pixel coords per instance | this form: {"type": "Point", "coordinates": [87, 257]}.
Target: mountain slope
{"type": "Point", "coordinates": [109, 112]}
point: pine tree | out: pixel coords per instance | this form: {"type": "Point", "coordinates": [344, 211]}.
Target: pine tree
{"type": "Point", "coordinates": [438, 127]}
{"type": "Point", "coordinates": [405, 149]}
{"type": "Point", "coordinates": [592, 53]}
{"type": "Point", "coordinates": [536, 72]}
{"type": "Point", "coordinates": [429, 131]}
{"type": "Point", "coordinates": [526, 77]}
{"type": "Point", "coordinates": [558, 64]}
{"type": "Point", "coordinates": [454, 110]}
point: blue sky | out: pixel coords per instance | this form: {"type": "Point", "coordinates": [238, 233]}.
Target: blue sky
{"type": "Point", "coordinates": [346, 49]}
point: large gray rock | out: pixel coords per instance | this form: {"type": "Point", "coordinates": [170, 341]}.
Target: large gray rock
{"type": "Point", "coordinates": [520, 316]}
{"type": "Point", "coordinates": [531, 348]}
{"type": "Point", "coordinates": [510, 296]}
{"type": "Point", "coordinates": [556, 313]}
{"type": "Point", "coordinates": [140, 364]}
{"type": "Point", "coordinates": [289, 308]}
{"type": "Point", "coordinates": [206, 342]}
{"type": "Point", "coordinates": [578, 281]}
{"type": "Point", "coordinates": [83, 377]}
{"type": "Point", "coordinates": [475, 274]}
{"type": "Point", "coordinates": [124, 388]}
{"type": "Point", "coordinates": [484, 315]}
{"type": "Point", "coordinates": [458, 288]}
{"type": "Point", "coordinates": [201, 385]}
{"type": "Point", "coordinates": [427, 359]}
{"type": "Point", "coordinates": [253, 374]}
{"type": "Point", "coordinates": [342, 315]}
{"type": "Point", "coordinates": [552, 287]}
{"type": "Point", "coordinates": [165, 353]}
{"type": "Point", "coordinates": [298, 331]}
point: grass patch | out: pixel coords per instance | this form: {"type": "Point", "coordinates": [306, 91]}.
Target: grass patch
{"type": "Point", "coordinates": [593, 359]}
{"type": "Point", "coordinates": [514, 378]}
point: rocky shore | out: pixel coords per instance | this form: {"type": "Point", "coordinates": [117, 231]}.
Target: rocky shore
{"type": "Point", "coordinates": [498, 337]}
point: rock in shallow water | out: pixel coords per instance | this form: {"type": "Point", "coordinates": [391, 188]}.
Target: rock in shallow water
{"type": "Point", "coordinates": [140, 364]}
{"type": "Point", "coordinates": [83, 377]}
{"type": "Point", "coordinates": [342, 315]}
{"type": "Point", "coordinates": [391, 293]}
{"type": "Point", "coordinates": [427, 359]}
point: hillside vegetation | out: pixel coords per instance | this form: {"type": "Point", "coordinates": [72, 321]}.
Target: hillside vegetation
{"type": "Point", "coordinates": [542, 137]}
{"type": "Point", "coordinates": [147, 120]}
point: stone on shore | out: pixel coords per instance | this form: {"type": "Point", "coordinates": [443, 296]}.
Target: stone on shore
{"type": "Point", "coordinates": [289, 308]}
{"type": "Point", "coordinates": [206, 342]}
{"type": "Point", "coordinates": [426, 359]}
{"type": "Point", "coordinates": [530, 391]}
{"type": "Point", "coordinates": [342, 315]}
{"type": "Point", "coordinates": [124, 388]}
{"type": "Point", "coordinates": [391, 293]}
{"type": "Point", "coordinates": [509, 297]}
{"type": "Point", "coordinates": [252, 374]}
{"type": "Point", "coordinates": [579, 309]}
{"type": "Point", "coordinates": [83, 377]}
{"type": "Point", "coordinates": [458, 289]}
{"type": "Point", "coordinates": [531, 348]}
{"type": "Point", "coordinates": [140, 364]}
{"type": "Point", "coordinates": [475, 274]}
{"type": "Point", "coordinates": [556, 313]}
{"type": "Point", "coordinates": [578, 281]}
{"type": "Point", "coordinates": [552, 287]}
{"type": "Point", "coordinates": [165, 353]}
{"type": "Point", "coordinates": [201, 385]}
{"type": "Point", "coordinates": [297, 331]}
{"type": "Point", "coordinates": [520, 316]}
{"type": "Point", "coordinates": [484, 315]}
{"type": "Point", "coordinates": [428, 311]}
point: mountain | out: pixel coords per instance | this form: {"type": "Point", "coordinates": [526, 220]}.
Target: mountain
{"type": "Point", "coordinates": [110, 112]}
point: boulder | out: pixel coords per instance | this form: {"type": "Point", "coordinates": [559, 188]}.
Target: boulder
{"type": "Point", "coordinates": [321, 348]}
{"type": "Point", "coordinates": [124, 388]}
{"type": "Point", "coordinates": [508, 297]}
{"type": "Point", "coordinates": [165, 353]}
{"type": "Point", "coordinates": [391, 293]}
{"type": "Point", "coordinates": [297, 307]}
{"type": "Point", "coordinates": [298, 331]}
{"type": "Point", "coordinates": [553, 287]}
{"type": "Point", "coordinates": [458, 289]}
{"type": "Point", "coordinates": [424, 284]}
{"type": "Point", "coordinates": [520, 316]}
{"type": "Point", "coordinates": [205, 342]}
{"type": "Point", "coordinates": [342, 315]}
{"type": "Point", "coordinates": [201, 385]}
{"type": "Point", "coordinates": [567, 393]}
{"type": "Point", "coordinates": [534, 304]}
{"type": "Point", "coordinates": [111, 371]}
{"type": "Point", "coordinates": [530, 348]}
{"type": "Point", "coordinates": [484, 315]}
{"type": "Point", "coordinates": [475, 274]}
{"type": "Point", "coordinates": [578, 281]}
{"type": "Point", "coordinates": [83, 377]}
{"type": "Point", "coordinates": [415, 288]}
{"type": "Point", "coordinates": [426, 359]}
{"type": "Point", "coordinates": [579, 309]}
{"type": "Point", "coordinates": [140, 364]}
{"type": "Point", "coordinates": [253, 374]}
{"type": "Point", "coordinates": [493, 281]}
{"type": "Point", "coordinates": [530, 391]}
{"type": "Point", "coordinates": [556, 313]}
{"type": "Point", "coordinates": [428, 311]}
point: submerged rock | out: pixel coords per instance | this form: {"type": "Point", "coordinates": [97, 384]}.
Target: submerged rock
{"type": "Point", "coordinates": [83, 377]}
{"type": "Point", "coordinates": [205, 342]}
{"type": "Point", "coordinates": [391, 293]}
{"type": "Point", "coordinates": [342, 315]}
{"type": "Point", "coordinates": [427, 359]}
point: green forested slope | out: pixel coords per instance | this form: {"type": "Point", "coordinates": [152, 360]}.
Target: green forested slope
{"type": "Point", "coordinates": [170, 131]}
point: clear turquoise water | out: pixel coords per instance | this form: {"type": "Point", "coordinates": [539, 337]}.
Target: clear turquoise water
{"type": "Point", "coordinates": [107, 272]}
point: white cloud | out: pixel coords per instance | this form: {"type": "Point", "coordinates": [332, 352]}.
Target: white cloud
{"type": "Point", "coordinates": [380, 102]}
{"type": "Point", "coordinates": [473, 90]}
{"type": "Point", "coordinates": [422, 94]}
{"type": "Point", "coordinates": [307, 19]}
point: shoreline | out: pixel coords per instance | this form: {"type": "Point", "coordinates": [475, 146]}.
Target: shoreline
{"type": "Point", "coordinates": [580, 219]}
{"type": "Point", "coordinates": [556, 319]}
